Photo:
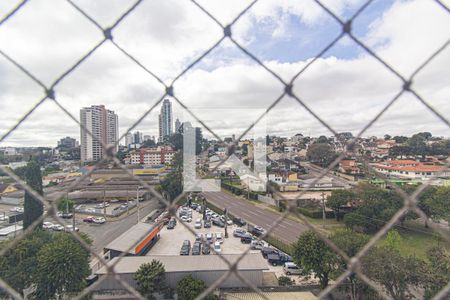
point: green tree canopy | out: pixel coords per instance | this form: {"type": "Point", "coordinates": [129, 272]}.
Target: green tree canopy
{"type": "Point", "coordinates": [393, 271]}
{"type": "Point", "coordinates": [65, 204]}
{"type": "Point", "coordinates": [189, 288]}
{"type": "Point", "coordinates": [339, 198]}
{"type": "Point", "coordinates": [33, 208]}
{"type": "Point", "coordinates": [18, 265]}
{"type": "Point", "coordinates": [438, 270]}
{"type": "Point", "coordinates": [150, 278]}
{"type": "Point", "coordinates": [312, 255]}
{"type": "Point", "coordinates": [62, 266]}
{"type": "Point", "coordinates": [321, 154]}
{"type": "Point", "coordinates": [351, 242]}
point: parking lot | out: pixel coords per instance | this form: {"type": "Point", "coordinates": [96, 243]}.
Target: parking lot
{"type": "Point", "coordinates": [171, 240]}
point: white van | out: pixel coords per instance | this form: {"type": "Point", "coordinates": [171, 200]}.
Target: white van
{"type": "Point", "coordinates": [290, 268]}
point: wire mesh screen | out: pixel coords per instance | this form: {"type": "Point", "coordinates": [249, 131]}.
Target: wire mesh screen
{"type": "Point", "coordinates": [346, 30]}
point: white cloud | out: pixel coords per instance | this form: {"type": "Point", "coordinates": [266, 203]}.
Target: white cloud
{"type": "Point", "coordinates": [166, 36]}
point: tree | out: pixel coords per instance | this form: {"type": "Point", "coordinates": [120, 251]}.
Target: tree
{"type": "Point", "coordinates": [284, 281]}
{"type": "Point", "coordinates": [437, 203]}
{"type": "Point", "coordinates": [438, 270]}
{"type": "Point", "coordinates": [150, 278]}
{"type": "Point", "coordinates": [351, 242]}
{"type": "Point", "coordinates": [400, 139]}
{"type": "Point", "coordinates": [375, 207]}
{"type": "Point", "coordinates": [18, 265]}
{"type": "Point", "coordinates": [339, 198]}
{"type": "Point", "coordinates": [172, 184]}
{"type": "Point", "coordinates": [189, 288]}
{"type": "Point", "coordinates": [62, 266]}
{"type": "Point", "coordinates": [322, 140]}
{"type": "Point", "coordinates": [397, 274]}
{"type": "Point", "coordinates": [321, 154]}
{"type": "Point", "coordinates": [65, 204]}
{"type": "Point", "coordinates": [314, 256]}
{"type": "Point", "coordinates": [387, 137]}
{"type": "Point", "coordinates": [148, 144]}
{"type": "Point", "coordinates": [33, 208]}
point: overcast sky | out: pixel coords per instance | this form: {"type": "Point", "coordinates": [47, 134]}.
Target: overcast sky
{"type": "Point", "coordinates": [346, 87]}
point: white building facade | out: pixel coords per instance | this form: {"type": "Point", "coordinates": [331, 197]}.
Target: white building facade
{"type": "Point", "coordinates": [103, 124]}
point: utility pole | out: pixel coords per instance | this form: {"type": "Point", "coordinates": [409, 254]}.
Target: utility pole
{"type": "Point", "coordinates": [137, 202]}
{"type": "Point", "coordinates": [73, 212]}
{"type": "Point", "coordinates": [323, 209]}
{"type": "Point", "coordinates": [104, 202]}
{"type": "Point", "coordinates": [226, 219]}
{"type": "Point", "coordinates": [127, 203]}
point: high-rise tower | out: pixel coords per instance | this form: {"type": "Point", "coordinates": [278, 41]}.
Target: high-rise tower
{"type": "Point", "coordinates": [104, 126]}
{"type": "Point", "coordinates": [165, 120]}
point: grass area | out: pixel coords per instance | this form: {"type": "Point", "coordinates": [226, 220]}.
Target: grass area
{"type": "Point", "coordinates": [416, 239]}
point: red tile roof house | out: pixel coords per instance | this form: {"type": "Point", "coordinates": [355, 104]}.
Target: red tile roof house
{"type": "Point", "coordinates": [411, 169]}
{"type": "Point", "coordinates": [349, 166]}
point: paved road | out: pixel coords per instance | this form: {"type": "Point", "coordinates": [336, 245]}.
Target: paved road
{"type": "Point", "coordinates": [103, 234]}
{"type": "Point", "coordinates": [287, 231]}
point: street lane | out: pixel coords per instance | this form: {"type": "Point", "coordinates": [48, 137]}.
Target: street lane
{"type": "Point", "coordinates": [287, 231]}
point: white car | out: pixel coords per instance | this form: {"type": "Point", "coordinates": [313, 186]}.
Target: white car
{"type": "Point", "coordinates": [58, 227]}
{"type": "Point", "coordinates": [99, 220]}
{"type": "Point", "coordinates": [70, 228]}
{"type": "Point", "coordinates": [198, 224]}
{"type": "Point", "coordinates": [217, 248]}
{"type": "Point", "coordinates": [219, 237]}
{"type": "Point", "coordinates": [16, 209]}
{"type": "Point", "coordinates": [47, 225]}
{"type": "Point", "coordinates": [290, 268]}
{"type": "Point", "coordinates": [189, 219]}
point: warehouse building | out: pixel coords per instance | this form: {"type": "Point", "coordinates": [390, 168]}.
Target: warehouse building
{"type": "Point", "coordinates": [208, 268]}
{"type": "Point", "coordinates": [135, 241]}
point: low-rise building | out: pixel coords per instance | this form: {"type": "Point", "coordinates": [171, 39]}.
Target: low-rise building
{"type": "Point", "coordinates": [151, 156]}
{"type": "Point", "coordinates": [410, 169]}
{"type": "Point", "coordinates": [208, 268]}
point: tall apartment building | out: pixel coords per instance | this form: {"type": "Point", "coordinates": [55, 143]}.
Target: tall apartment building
{"type": "Point", "coordinates": [104, 126]}
{"type": "Point", "coordinates": [165, 120]}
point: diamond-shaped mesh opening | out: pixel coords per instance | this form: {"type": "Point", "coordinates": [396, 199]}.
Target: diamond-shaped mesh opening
{"type": "Point", "coordinates": [336, 11]}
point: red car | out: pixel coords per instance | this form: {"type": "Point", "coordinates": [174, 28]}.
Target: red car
{"type": "Point", "coordinates": [89, 219]}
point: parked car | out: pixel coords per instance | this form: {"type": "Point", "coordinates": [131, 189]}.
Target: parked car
{"type": "Point", "coordinates": [290, 268]}
{"type": "Point", "coordinates": [67, 215]}
{"type": "Point", "coordinates": [218, 222]}
{"type": "Point", "coordinates": [246, 239]}
{"type": "Point", "coordinates": [194, 205]}
{"type": "Point", "coordinates": [70, 228]}
{"type": "Point", "coordinates": [217, 248]}
{"type": "Point", "coordinates": [258, 245]}
{"type": "Point", "coordinates": [89, 219]}
{"type": "Point", "coordinates": [189, 219]}
{"type": "Point", "coordinates": [268, 250]}
{"type": "Point", "coordinates": [58, 227]}
{"type": "Point", "coordinates": [277, 259]}
{"type": "Point", "coordinates": [196, 249]}
{"type": "Point", "coordinates": [198, 237]}
{"type": "Point", "coordinates": [99, 220]}
{"type": "Point", "coordinates": [258, 231]}
{"type": "Point", "coordinates": [219, 237]}
{"type": "Point", "coordinates": [102, 205]}
{"type": "Point", "coordinates": [206, 249]}
{"type": "Point", "coordinates": [47, 225]}
{"type": "Point", "coordinates": [239, 221]}
{"type": "Point", "coordinates": [171, 224]}
{"type": "Point", "coordinates": [198, 224]}
{"type": "Point", "coordinates": [209, 237]}
{"type": "Point", "coordinates": [207, 223]}
{"type": "Point", "coordinates": [239, 232]}
{"type": "Point", "coordinates": [185, 248]}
